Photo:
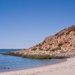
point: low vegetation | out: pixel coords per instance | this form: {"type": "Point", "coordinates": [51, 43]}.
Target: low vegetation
{"type": "Point", "coordinates": [34, 49]}
{"type": "Point", "coordinates": [60, 44]}
{"type": "Point", "coordinates": [12, 53]}
{"type": "Point", "coordinates": [67, 33]}
{"type": "Point", "coordinates": [37, 56]}
{"type": "Point", "coordinates": [40, 45]}
{"type": "Point", "coordinates": [58, 48]}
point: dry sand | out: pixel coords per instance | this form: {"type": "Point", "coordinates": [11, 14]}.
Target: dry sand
{"type": "Point", "coordinates": [64, 68]}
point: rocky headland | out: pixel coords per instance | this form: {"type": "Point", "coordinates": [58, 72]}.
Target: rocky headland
{"type": "Point", "coordinates": [60, 45]}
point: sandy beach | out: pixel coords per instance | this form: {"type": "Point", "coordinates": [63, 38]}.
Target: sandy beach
{"type": "Point", "coordinates": [64, 68]}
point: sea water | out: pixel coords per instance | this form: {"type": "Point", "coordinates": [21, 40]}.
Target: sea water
{"type": "Point", "coordinates": [8, 62]}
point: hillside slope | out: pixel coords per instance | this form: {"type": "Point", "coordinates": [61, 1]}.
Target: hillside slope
{"type": "Point", "coordinates": [59, 45]}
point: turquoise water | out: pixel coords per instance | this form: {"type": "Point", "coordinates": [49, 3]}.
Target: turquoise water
{"type": "Point", "coordinates": [8, 63]}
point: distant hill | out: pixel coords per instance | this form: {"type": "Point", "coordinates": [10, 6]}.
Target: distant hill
{"type": "Point", "coordinates": [60, 45]}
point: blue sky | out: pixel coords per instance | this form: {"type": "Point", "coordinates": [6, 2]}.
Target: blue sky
{"type": "Point", "coordinates": [24, 23]}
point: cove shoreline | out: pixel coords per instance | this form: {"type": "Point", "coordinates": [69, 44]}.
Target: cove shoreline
{"type": "Point", "coordinates": [61, 61]}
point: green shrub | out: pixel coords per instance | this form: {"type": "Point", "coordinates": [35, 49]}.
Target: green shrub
{"type": "Point", "coordinates": [60, 44]}
{"type": "Point", "coordinates": [37, 56]}
{"type": "Point", "coordinates": [34, 49]}
{"type": "Point", "coordinates": [67, 33]}
{"type": "Point", "coordinates": [40, 45]}
{"type": "Point", "coordinates": [58, 48]}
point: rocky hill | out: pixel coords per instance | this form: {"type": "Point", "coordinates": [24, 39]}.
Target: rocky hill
{"type": "Point", "coordinates": [60, 45]}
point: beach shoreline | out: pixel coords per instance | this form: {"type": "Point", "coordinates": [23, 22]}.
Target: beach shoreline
{"type": "Point", "coordinates": [60, 61]}
{"type": "Point", "coordinates": [67, 67]}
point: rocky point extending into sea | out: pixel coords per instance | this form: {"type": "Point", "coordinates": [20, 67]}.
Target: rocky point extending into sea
{"type": "Point", "coordinates": [60, 45]}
